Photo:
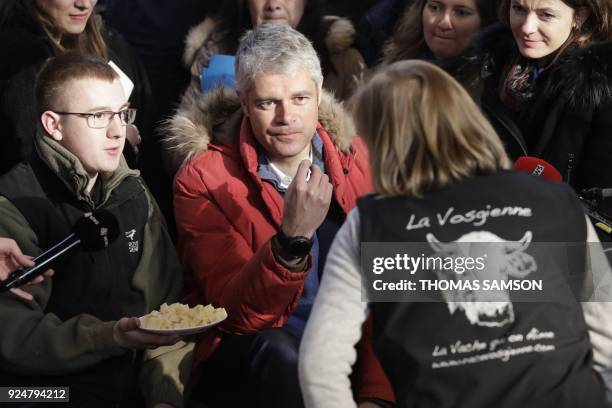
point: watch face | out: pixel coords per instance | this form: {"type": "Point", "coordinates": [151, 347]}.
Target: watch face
{"type": "Point", "coordinates": [300, 246]}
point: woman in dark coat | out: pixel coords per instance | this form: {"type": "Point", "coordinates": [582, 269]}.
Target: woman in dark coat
{"type": "Point", "coordinates": [547, 76]}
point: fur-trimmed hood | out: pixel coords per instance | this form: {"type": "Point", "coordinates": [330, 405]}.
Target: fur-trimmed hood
{"type": "Point", "coordinates": [581, 76]}
{"type": "Point", "coordinates": [214, 117]}
{"type": "Point", "coordinates": [339, 37]}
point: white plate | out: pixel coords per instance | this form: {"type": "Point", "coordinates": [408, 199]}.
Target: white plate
{"type": "Point", "coordinates": [182, 332]}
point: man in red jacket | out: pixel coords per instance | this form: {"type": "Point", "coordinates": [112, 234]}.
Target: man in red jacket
{"type": "Point", "coordinates": [269, 178]}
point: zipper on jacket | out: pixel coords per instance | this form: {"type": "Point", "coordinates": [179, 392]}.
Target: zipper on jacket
{"type": "Point", "coordinates": [570, 166]}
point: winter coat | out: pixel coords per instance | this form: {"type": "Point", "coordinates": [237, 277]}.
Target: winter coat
{"type": "Point", "coordinates": [348, 64]}
{"type": "Point", "coordinates": [65, 335]}
{"type": "Point", "coordinates": [568, 121]}
{"type": "Point", "coordinates": [226, 217]}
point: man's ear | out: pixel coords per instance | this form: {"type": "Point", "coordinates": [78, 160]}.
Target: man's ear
{"type": "Point", "coordinates": [51, 124]}
{"type": "Point", "coordinates": [244, 102]}
{"type": "Point", "coordinates": [319, 94]}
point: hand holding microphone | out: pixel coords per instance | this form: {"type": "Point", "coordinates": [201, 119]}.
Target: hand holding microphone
{"type": "Point", "coordinates": [96, 230]}
{"type": "Point", "coordinates": [12, 258]}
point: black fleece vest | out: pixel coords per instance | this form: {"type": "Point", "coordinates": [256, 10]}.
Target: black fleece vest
{"type": "Point", "coordinates": [97, 283]}
{"type": "Point", "coordinates": [530, 354]}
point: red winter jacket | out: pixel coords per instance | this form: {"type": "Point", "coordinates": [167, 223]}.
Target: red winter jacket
{"type": "Point", "coordinates": [226, 217]}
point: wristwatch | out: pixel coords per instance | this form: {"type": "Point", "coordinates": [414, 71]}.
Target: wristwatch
{"type": "Point", "coordinates": [297, 247]}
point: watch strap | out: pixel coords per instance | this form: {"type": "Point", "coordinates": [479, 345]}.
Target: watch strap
{"type": "Point", "coordinates": [288, 244]}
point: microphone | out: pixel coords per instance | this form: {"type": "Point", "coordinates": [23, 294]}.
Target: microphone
{"type": "Point", "coordinates": [591, 198]}
{"type": "Point", "coordinates": [599, 220]}
{"type": "Point", "coordinates": [537, 167]}
{"type": "Point", "coordinates": [96, 230]}
{"type": "Point", "coordinates": [596, 193]}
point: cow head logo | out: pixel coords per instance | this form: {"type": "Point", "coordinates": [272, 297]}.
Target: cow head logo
{"type": "Point", "coordinates": [504, 259]}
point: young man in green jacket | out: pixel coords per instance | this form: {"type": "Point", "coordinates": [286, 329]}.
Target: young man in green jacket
{"type": "Point", "coordinates": [80, 330]}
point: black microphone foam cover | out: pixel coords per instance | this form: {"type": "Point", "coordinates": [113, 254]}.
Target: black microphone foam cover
{"type": "Point", "coordinates": [96, 230]}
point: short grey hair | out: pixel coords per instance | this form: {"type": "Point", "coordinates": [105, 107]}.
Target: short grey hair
{"type": "Point", "coordinates": [275, 49]}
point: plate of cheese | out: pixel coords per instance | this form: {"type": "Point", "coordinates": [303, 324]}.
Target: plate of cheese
{"type": "Point", "coordinates": [178, 318]}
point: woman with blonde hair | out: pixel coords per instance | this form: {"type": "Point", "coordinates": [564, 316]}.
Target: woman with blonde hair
{"type": "Point", "coordinates": [440, 177]}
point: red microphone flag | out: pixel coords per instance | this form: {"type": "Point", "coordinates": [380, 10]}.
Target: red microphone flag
{"type": "Point", "coordinates": [537, 167]}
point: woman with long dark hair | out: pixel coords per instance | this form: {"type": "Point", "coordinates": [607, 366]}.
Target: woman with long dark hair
{"type": "Point", "coordinates": [547, 75]}
{"type": "Point", "coordinates": [438, 29]}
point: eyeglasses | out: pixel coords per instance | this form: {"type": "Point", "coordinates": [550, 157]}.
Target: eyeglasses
{"type": "Point", "coordinates": [100, 120]}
